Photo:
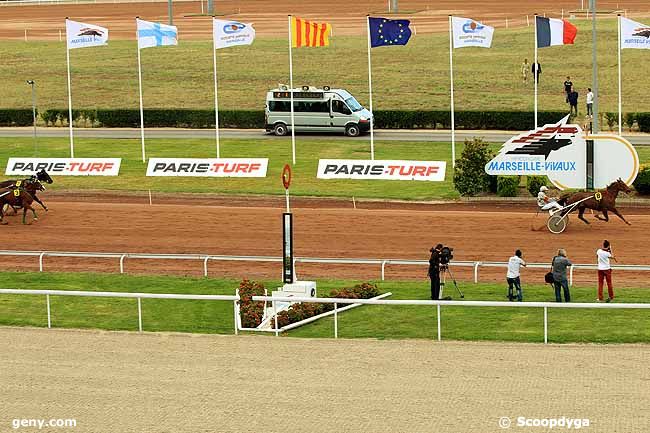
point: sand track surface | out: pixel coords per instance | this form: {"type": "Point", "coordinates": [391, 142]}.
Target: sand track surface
{"type": "Point", "coordinates": [140, 383]}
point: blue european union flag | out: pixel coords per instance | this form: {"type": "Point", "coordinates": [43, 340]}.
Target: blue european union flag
{"type": "Point", "coordinates": [388, 32]}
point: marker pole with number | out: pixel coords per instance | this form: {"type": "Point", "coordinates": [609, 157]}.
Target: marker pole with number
{"type": "Point", "coordinates": [287, 231]}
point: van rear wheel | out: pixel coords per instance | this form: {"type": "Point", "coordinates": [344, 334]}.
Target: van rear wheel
{"type": "Point", "coordinates": [280, 129]}
{"type": "Point", "coordinates": [352, 130]}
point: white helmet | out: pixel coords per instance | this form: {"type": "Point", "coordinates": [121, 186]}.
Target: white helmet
{"type": "Point", "coordinates": [543, 188]}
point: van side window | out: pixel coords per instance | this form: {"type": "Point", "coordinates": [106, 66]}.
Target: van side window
{"type": "Point", "coordinates": [340, 107]}
{"type": "Point", "coordinates": [279, 106]}
{"type": "Point", "coordinates": [311, 107]}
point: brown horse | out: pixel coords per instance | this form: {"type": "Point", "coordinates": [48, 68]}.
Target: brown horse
{"type": "Point", "coordinates": [17, 198]}
{"type": "Point", "coordinates": [603, 200]}
{"type": "Point", "coordinates": [32, 185]}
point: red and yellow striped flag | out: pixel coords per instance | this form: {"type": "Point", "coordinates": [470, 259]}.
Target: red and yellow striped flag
{"type": "Point", "coordinates": [309, 34]}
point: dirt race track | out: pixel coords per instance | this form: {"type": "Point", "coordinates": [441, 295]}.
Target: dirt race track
{"type": "Point", "coordinates": [323, 228]}
{"type": "Point", "coordinates": [140, 383]}
{"type": "Point", "coordinates": [44, 22]}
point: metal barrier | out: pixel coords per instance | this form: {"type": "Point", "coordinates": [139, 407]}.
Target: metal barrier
{"type": "Point", "coordinates": [138, 296]}
{"type": "Point", "coordinates": [382, 263]}
{"type": "Point", "coordinates": [439, 304]}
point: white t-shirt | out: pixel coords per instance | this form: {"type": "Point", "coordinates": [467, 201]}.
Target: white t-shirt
{"type": "Point", "coordinates": [541, 196]}
{"type": "Point", "coordinates": [590, 98]}
{"type": "Point", "coordinates": [603, 259]}
{"type": "Point", "coordinates": [514, 264]}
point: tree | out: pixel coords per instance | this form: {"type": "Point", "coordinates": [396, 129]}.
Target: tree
{"type": "Point", "coordinates": [470, 177]}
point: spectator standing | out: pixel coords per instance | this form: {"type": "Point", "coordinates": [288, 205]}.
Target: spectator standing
{"type": "Point", "coordinates": [559, 267]}
{"type": "Point", "coordinates": [568, 87]}
{"type": "Point", "coordinates": [604, 255]}
{"type": "Point", "coordinates": [525, 67]}
{"type": "Point", "coordinates": [573, 102]}
{"type": "Point", "coordinates": [513, 276]}
{"type": "Point", "coordinates": [590, 102]}
{"type": "Point", "coordinates": [536, 69]}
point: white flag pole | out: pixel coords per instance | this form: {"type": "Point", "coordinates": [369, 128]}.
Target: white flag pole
{"type": "Point", "coordinates": [216, 98]}
{"type": "Point", "coordinates": [67, 55]}
{"type": "Point", "coordinates": [140, 86]}
{"type": "Point", "coordinates": [293, 132]}
{"type": "Point", "coordinates": [451, 77]}
{"type": "Point", "coordinates": [372, 115]}
{"type": "Point", "coordinates": [536, 73]}
{"type": "Point", "coordinates": [620, 96]}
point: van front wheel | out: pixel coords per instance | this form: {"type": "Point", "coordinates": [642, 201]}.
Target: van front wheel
{"type": "Point", "coordinates": [280, 129]}
{"type": "Point", "coordinates": [352, 130]}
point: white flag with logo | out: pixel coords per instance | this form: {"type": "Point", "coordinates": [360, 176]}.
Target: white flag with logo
{"type": "Point", "coordinates": [152, 34]}
{"type": "Point", "coordinates": [231, 33]}
{"type": "Point", "coordinates": [634, 35]}
{"type": "Point", "coordinates": [81, 35]}
{"type": "Point", "coordinates": [470, 33]}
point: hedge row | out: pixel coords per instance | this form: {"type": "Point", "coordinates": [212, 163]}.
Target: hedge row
{"type": "Point", "coordinates": [16, 117]}
{"type": "Point", "coordinates": [254, 119]}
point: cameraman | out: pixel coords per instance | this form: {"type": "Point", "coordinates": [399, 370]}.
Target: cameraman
{"type": "Point", "coordinates": [434, 271]}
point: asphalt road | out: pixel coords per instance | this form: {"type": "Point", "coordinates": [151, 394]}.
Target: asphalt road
{"type": "Point", "coordinates": [177, 133]}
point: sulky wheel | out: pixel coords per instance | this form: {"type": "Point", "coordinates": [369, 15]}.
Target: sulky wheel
{"type": "Point", "coordinates": [556, 224]}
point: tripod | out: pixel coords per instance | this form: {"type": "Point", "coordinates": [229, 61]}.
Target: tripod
{"type": "Point", "coordinates": [444, 270]}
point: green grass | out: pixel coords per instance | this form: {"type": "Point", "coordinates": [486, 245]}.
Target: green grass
{"type": "Point", "coordinates": [458, 323]}
{"type": "Point", "coordinates": [309, 151]}
{"type": "Point", "coordinates": [415, 76]}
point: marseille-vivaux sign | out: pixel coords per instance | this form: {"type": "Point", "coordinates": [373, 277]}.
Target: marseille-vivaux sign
{"type": "Point", "coordinates": [559, 151]}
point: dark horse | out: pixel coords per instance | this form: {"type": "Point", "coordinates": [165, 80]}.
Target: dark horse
{"type": "Point", "coordinates": [31, 185]}
{"type": "Point", "coordinates": [603, 200]}
{"type": "Point", "coordinates": [16, 198]}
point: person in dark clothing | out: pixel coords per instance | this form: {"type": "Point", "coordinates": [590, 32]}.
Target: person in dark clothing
{"type": "Point", "coordinates": [573, 102]}
{"type": "Point", "coordinates": [434, 271]}
{"type": "Point", "coordinates": [559, 267]}
{"type": "Point", "coordinates": [536, 69]}
{"type": "Point", "coordinates": [568, 88]}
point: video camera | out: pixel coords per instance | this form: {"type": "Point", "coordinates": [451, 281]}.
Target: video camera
{"type": "Point", "coordinates": [446, 255]}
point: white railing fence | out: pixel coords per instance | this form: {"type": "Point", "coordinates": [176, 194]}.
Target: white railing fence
{"type": "Point", "coordinates": [382, 263]}
{"type": "Point", "coordinates": [336, 301]}
{"type": "Point", "coordinates": [439, 304]}
{"type": "Point", "coordinates": [139, 296]}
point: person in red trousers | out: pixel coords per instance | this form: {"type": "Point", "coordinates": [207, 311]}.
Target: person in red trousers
{"type": "Point", "coordinates": [604, 255]}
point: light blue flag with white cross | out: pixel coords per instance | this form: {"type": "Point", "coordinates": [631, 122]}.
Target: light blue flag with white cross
{"type": "Point", "coordinates": [152, 34]}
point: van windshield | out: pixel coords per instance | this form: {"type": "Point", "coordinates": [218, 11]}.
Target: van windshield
{"type": "Point", "coordinates": [353, 104]}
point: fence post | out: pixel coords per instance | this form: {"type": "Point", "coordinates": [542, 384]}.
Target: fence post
{"type": "Point", "coordinates": [205, 266]}
{"type": "Point", "coordinates": [476, 265]}
{"type": "Point", "coordinates": [275, 317]}
{"type": "Point", "coordinates": [439, 330]}
{"type": "Point", "coordinates": [49, 317]}
{"type": "Point", "coordinates": [139, 315]}
{"type": "Point", "coordinates": [383, 269]}
{"type": "Point", "coordinates": [545, 325]}
{"type": "Point", "coordinates": [122, 263]}
{"type": "Point", "coordinates": [234, 304]}
{"type": "Point", "coordinates": [40, 262]}
{"type": "Point", "coordinates": [336, 320]}
{"type": "Point", "coordinates": [571, 275]}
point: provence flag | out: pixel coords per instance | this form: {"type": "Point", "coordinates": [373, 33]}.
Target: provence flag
{"type": "Point", "coordinates": [388, 32]}
{"type": "Point", "coordinates": [155, 34]}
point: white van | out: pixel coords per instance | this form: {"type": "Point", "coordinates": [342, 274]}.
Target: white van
{"type": "Point", "coordinates": [315, 110]}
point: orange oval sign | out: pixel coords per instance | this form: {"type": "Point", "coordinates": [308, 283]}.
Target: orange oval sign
{"type": "Point", "coordinates": [286, 176]}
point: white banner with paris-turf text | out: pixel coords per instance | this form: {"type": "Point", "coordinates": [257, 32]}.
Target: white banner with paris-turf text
{"type": "Point", "coordinates": [381, 170]}
{"type": "Point", "coordinates": [64, 166]}
{"type": "Point", "coordinates": [221, 167]}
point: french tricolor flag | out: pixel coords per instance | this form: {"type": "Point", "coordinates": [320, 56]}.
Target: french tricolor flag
{"type": "Point", "coordinates": [551, 31]}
